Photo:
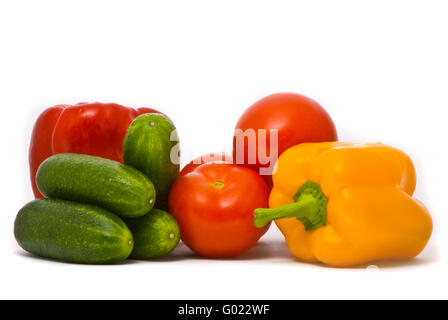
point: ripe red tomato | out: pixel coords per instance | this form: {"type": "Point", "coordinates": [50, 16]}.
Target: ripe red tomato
{"type": "Point", "coordinates": [209, 157]}
{"type": "Point", "coordinates": [214, 205]}
{"type": "Point", "coordinates": [298, 119]}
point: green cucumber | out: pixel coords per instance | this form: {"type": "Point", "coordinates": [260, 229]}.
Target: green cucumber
{"type": "Point", "coordinates": [155, 234]}
{"type": "Point", "coordinates": [72, 232]}
{"type": "Point", "coordinates": [93, 180]}
{"type": "Point", "coordinates": [147, 146]}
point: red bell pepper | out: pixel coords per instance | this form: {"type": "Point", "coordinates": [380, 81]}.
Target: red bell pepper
{"type": "Point", "coordinates": [90, 128]}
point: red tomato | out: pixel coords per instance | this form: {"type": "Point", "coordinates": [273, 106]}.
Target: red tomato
{"type": "Point", "coordinates": [209, 157]}
{"type": "Point", "coordinates": [298, 119]}
{"type": "Point", "coordinates": [214, 205]}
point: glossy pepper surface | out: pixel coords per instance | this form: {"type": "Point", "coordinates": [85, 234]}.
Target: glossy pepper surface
{"type": "Point", "coordinates": [96, 129]}
{"type": "Point", "coordinates": [347, 204]}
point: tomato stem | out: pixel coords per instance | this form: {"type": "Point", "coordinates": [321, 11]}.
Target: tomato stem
{"type": "Point", "coordinates": [218, 184]}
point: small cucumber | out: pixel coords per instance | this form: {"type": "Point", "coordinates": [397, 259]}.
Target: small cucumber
{"type": "Point", "coordinates": [155, 234]}
{"type": "Point", "coordinates": [72, 232]}
{"type": "Point", "coordinates": [147, 146]}
{"type": "Point", "coordinates": [93, 180]}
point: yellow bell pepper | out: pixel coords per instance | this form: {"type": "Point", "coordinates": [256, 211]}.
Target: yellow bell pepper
{"type": "Point", "coordinates": [347, 204]}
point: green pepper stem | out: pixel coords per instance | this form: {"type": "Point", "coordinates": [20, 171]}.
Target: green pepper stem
{"type": "Point", "coordinates": [305, 208]}
{"type": "Point", "coordinates": [309, 208]}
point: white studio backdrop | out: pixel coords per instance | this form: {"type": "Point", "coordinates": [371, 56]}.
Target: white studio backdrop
{"type": "Point", "coordinates": [380, 68]}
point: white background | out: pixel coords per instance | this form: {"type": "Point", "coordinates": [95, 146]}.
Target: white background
{"type": "Point", "coordinates": [379, 67]}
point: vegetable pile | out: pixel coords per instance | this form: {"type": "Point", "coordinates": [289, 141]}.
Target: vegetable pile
{"type": "Point", "coordinates": [100, 210]}
{"type": "Point", "coordinates": [108, 187]}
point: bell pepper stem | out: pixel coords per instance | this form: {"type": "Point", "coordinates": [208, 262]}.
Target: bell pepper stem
{"type": "Point", "coordinates": [309, 208]}
{"type": "Point", "coordinates": [302, 209]}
